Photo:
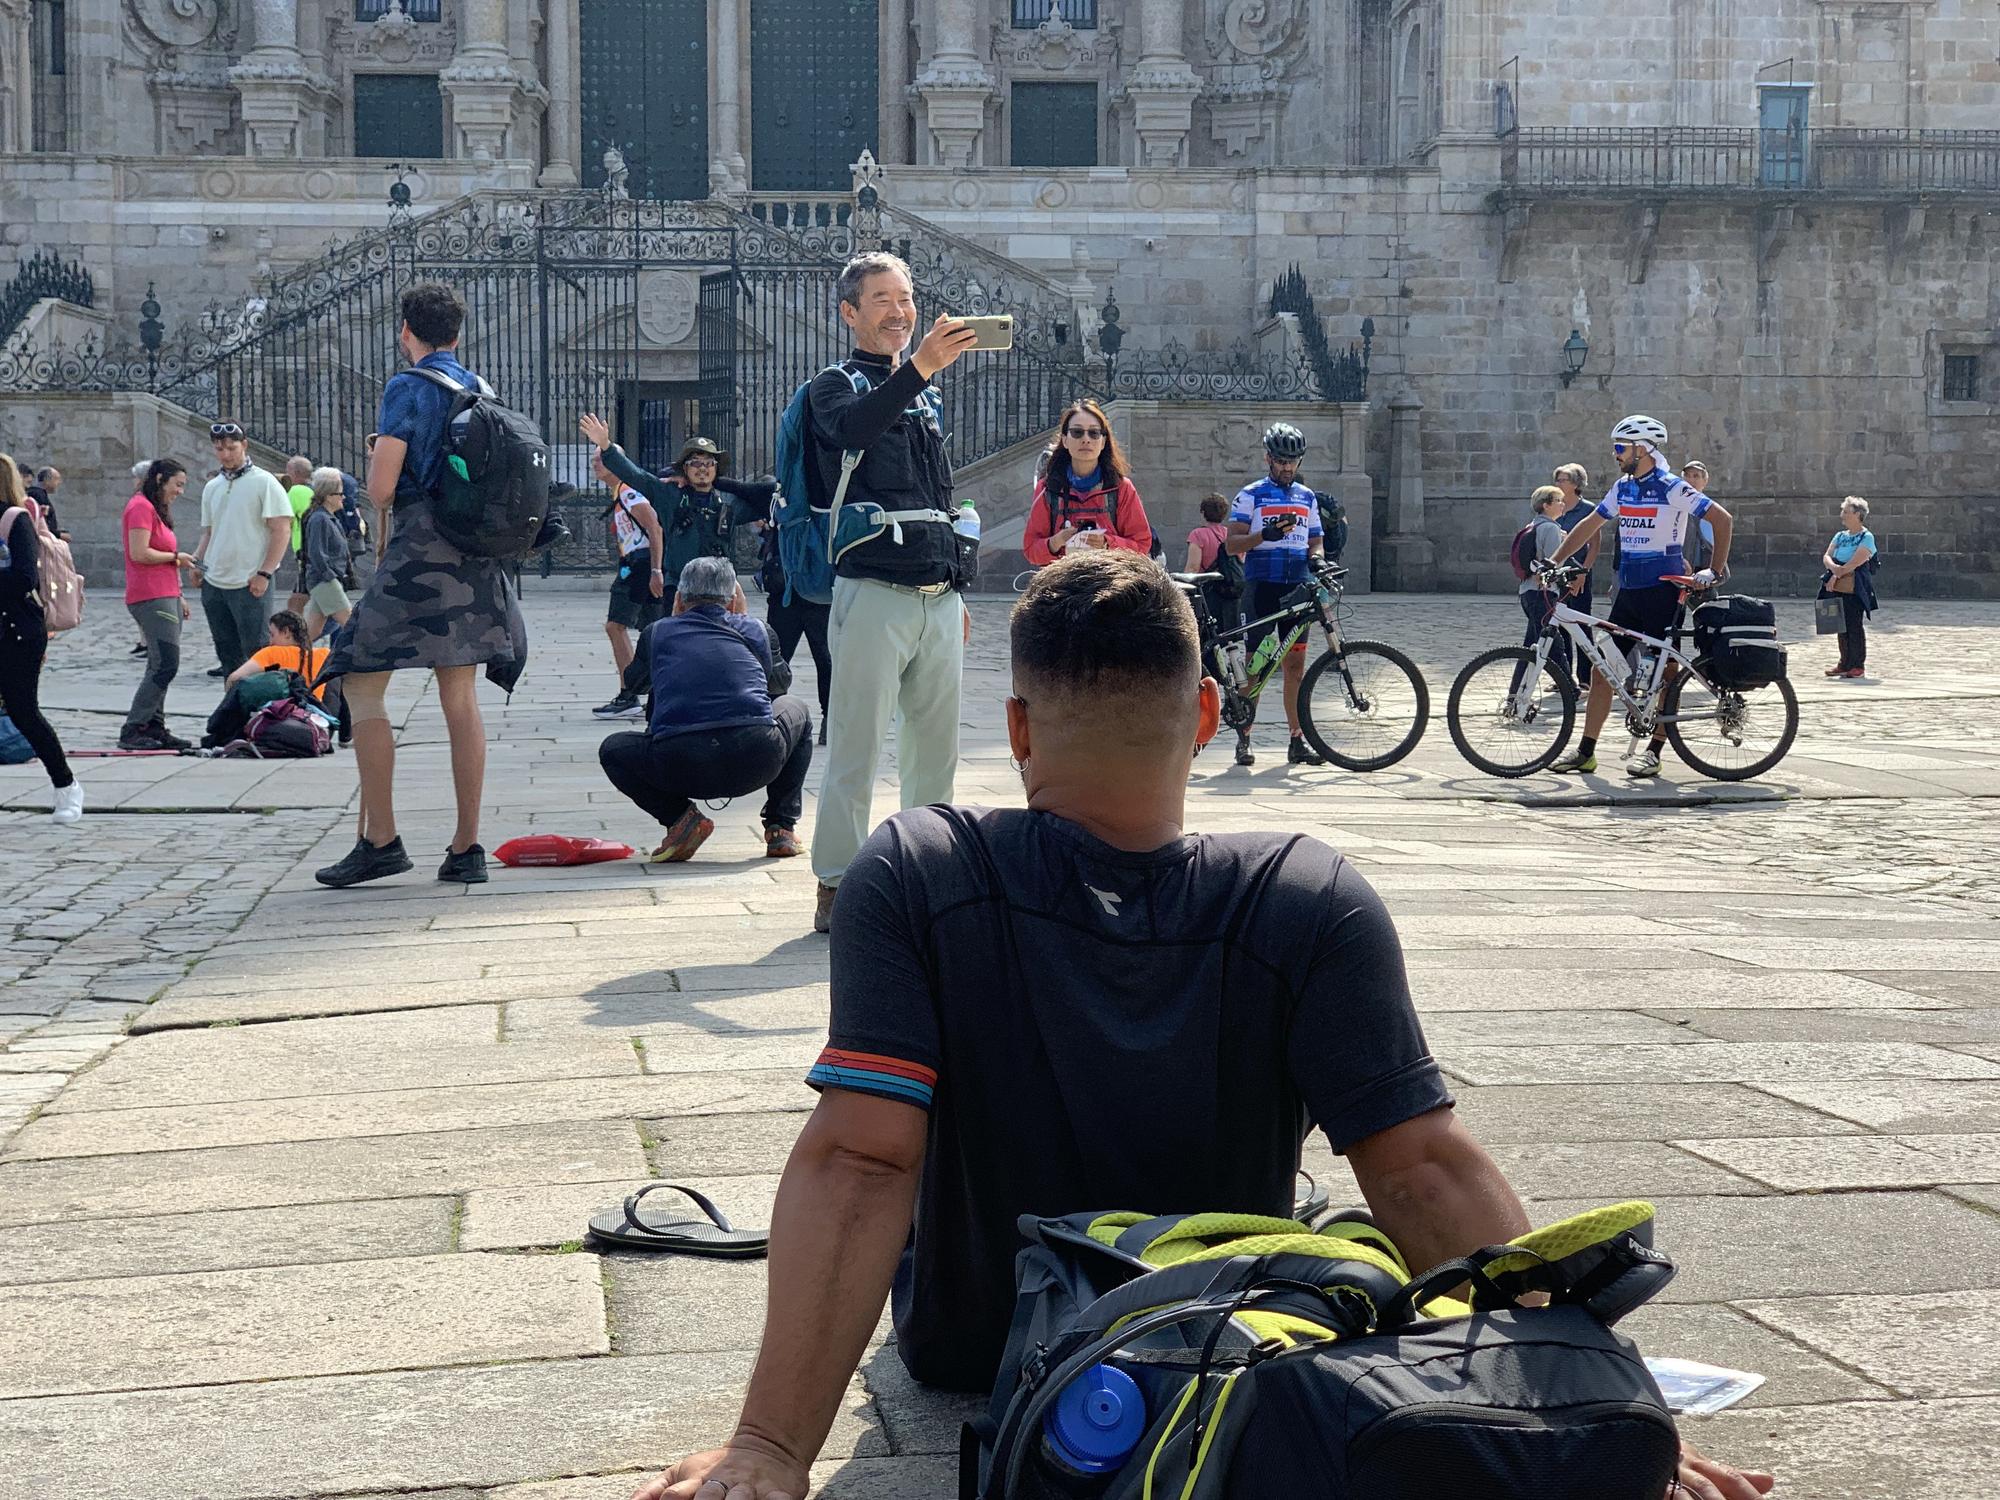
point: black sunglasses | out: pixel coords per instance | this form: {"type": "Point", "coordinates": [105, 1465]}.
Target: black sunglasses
{"type": "Point", "coordinates": [1086, 432]}
{"type": "Point", "coordinates": [224, 430]}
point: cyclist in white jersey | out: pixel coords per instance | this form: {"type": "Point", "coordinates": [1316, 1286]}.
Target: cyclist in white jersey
{"type": "Point", "coordinates": [1653, 506]}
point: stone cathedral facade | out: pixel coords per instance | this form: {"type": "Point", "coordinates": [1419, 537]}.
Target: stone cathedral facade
{"type": "Point", "coordinates": [1771, 223]}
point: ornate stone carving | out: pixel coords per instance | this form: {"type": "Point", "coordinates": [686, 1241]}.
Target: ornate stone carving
{"type": "Point", "coordinates": [1053, 46]}
{"type": "Point", "coordinates": [1265, 34]}
{"type": "Point", "coordinates": [666, 307]}
{"type": "Point", "coordinates": [177, 23]}
{"type": "Point", "coordinates": [393, 38]}
{"type": "Point", "coordinates": [616, 173]}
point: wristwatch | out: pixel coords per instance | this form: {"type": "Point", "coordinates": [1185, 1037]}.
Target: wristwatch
{"type": "Point", "coordinates": [267, 576]}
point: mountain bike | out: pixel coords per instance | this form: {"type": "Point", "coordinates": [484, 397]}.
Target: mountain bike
{"type": "Point", "coordinates": [1362, 705]}
{"type": "Point", "coordinates": [1511, 710]}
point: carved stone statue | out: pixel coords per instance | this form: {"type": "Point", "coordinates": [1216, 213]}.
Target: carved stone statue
{"type": "Point", "coordinates": [615, 173]}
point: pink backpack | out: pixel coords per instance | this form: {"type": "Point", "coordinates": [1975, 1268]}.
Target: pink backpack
{"type": "Point", "coordinates": [60, 589]}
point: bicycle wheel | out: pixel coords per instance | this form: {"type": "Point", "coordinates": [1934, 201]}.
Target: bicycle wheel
{"type": "Point", "coordinates": [1492, 728]}
{"type": "Point", "coordinates": [1364, 708]}
{"type": "Point", "coordinates": [1730, 736]}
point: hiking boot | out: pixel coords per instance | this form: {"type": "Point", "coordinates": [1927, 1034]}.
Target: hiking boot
{"type": "Point", "coordinates": [1836, 671]}
{"type": "Point", "coordinates": [1575, 763]}
{"type": "Point", "coordinates": [1245, 756]}
{"type": "Point", "coordinates": [624, 706]}
{"type": "Point", "coordinates": [1302, 754]}
{"type": "Point", "coordinates": [780, 843]}
{"type": "Point", "coordinates": [139, 737]}
{"type": "Point", "coordinates": [468, 868]}
{"type": "Point", "coordinates": [823, 908]}
{"type": "Point", "coordinates": [167, 738]}
{"type": "Point", "coordinates": [1645, 763]}
{"type": "Point", "coordinates": [365, 861]}
{"type": "Point", "coordinates": [685, 834]}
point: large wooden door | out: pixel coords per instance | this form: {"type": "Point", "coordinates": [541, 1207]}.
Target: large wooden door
{"type": "Point", "coordinates": [816, 83]}
{"type": "Point", "coordinates": [645, 91]}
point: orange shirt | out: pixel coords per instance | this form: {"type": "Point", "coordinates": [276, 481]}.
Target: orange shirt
{"type": "Point", "coordinates": [286, 659]}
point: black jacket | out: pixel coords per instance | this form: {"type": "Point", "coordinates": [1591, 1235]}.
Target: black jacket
{"type": "Point", "coordinates": [902, 466]}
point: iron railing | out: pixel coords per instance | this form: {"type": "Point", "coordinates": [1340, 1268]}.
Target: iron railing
{"type": "Point", "coordinates": [1082, 14]}
{"type": "Point", "coordinates": [43, 275]}
{"type": "Point", "coordinates": [1679, 158]}
{"type": "Point", "coordinates": [419, 10]}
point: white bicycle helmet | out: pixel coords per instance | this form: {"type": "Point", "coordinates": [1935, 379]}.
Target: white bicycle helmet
{"type": "Point", "coordinates": [1639, 429]}
{"type": "Point", "coordinates": [1284, 441]}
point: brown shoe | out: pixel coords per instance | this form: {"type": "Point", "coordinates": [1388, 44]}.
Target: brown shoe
{"type": "Point", "coordinates": [823, 909]}
{"type": "Point", "coordinates": [688, 833]}
{"type": "Point", "coordinates": [780, 843]}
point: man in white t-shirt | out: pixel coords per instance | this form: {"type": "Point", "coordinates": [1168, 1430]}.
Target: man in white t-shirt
{"type": "Point", "coordinates": [246, 525]}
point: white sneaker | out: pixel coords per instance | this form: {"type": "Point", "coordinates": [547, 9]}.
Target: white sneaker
{"type": "Point", "coordinates": [1645, 763]}
{"type": "Point", "coordinates": [69, 803]}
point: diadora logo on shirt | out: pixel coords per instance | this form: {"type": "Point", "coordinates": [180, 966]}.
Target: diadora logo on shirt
{"type": "Point", "coordinates": [1109, 900]}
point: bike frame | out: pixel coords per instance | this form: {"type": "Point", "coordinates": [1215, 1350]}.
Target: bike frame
{"type": "Point", "coordinates": [1610, 662]}
{"type": "Point", "coordinates": [1304, 613]}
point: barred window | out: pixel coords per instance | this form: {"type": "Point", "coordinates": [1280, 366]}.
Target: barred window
{"type": "Point", "coordinates": [1082, 14]}
{"type": "Point", "coordinates": [375, 10]}
{"type": "Point", "coordinates": [1961, 377]}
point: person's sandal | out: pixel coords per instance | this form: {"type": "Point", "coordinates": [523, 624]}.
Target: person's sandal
{"type": "Point", "coordinates": [780, 843]}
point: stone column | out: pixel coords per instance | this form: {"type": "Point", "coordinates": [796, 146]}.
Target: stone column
{"type": "Point", "coordinates": [1162, 87]}
{"type": "Point", "coordinates": [482, 83]}
{"type": "Point", "coordinates": [272, 79]}
{"type": "Point", "coordinates": [17, 78]}
{"type": "Point", "coordinates": [891, 134]}
{"type": "Point", "coordinates": [1405, 559]}
{"type": "Point", "coordinates": [565, 97]}
{"type": "Point", "coordinates": [727, 172]}
{"type": "Point", "coordinates": [954, 84]}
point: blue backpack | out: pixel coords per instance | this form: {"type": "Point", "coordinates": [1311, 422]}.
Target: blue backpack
{"type": "Point", "coordinates": [812, 537]}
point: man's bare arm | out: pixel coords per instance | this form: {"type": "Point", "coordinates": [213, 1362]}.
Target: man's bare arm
{"type": "Point", "coordinates": [839, 1226]}
{"type": "Point", "coordinates": [1434, 1190]}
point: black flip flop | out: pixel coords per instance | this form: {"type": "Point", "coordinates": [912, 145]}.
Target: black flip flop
{"type": "Point", "coordinates": [631, 1228]}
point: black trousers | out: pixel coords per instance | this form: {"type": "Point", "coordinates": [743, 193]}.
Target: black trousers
{"type": "Point", "coordinates": [24, 645]}
{"type": "Point", "coordinates": [666, 776]}
{"type": "Point", "coordinates": [803, 618]}
{"type": "Point", "coordinates": [1853, 630]}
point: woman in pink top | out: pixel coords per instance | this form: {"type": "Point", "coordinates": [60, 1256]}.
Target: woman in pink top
{"type": "Point", "coordinates": [153, 561]}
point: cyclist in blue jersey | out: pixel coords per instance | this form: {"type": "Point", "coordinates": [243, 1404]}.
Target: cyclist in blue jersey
{"type": "Point", "coordinates": [1274, 526]}
{"type": "Point", "coordinates": [1652, 506]}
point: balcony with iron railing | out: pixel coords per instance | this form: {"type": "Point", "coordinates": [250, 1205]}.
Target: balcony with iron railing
{"type": "Point", "coordinates": [1678, 160]}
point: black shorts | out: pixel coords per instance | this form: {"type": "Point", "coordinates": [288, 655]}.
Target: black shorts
{"type": "Point", "coordinates": [632, 603]}
{"type": "Point", "coordinates": [1650, 611]}
{"type": "Point", "coordinates": [1262, 597]}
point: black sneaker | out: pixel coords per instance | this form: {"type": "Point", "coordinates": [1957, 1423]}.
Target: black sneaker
{"type": "Point", "coordinates": [1302, 754]}
{"type": "Point", "coordinates": [140, 650]}
{"type": "Point", "coordinates": [140, 737]}
{"type": "Point", "coordinates": [217, 672]}
{"type": "Point", "coordinates": [365, 862]}
{"type": "Point", "coordinates": [468, 868]}
{"type": "Point", "coordinates": [167, 738]}
{"type": "Point", "coordinates": [624, 706]}
{"type": "Point", "coordinates": [1245, 756]}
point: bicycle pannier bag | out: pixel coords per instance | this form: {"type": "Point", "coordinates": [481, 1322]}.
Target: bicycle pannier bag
{"type": "Point", "coordinates": [1739, 637]}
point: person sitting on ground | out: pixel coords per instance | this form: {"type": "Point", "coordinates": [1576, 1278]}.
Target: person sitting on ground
{"type": "Point", "coordinates": [289, 650]}
{"type": "Point", "coordinates": [327, 556]}
{"type": "Point", "coordinates": [718, 726]}
{"type": "Point", "coordinates": [1212, 998]}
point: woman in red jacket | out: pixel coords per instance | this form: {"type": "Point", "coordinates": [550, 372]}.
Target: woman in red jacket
{"type": "Point", "coordinates": [1085, 491]}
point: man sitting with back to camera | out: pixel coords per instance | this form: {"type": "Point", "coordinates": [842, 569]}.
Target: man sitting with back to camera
{"type": "Point", "coordinates": [717, 725]}
{"type": "Point", "coordinates": [1211, 998]}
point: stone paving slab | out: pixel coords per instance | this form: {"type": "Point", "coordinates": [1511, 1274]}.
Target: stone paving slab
{"type": "Point", "coordinates": [506, 1424]}
{"type": "Point", "coordinates": [1713, 1062]}
{"type": "Point", "coordinates": [554, 1214]}
{"type": "Point", "coordinates": [1728, 1336]}
{"type": "Point", "coordinates": [1902, 1106]}
{"type": "Point", "coordinates": [211, 1327]}
{"type": "Point", "coordinates": [153, 1245]}
{"type": "Point", "coordinates": [1952, 988]}
{"type": "Point", "coordinates": [1901, 1450]}
{"type": "Point", "coordinates": [406, 1112]}
{"type": "Point", "coordinates": [1960, 1028]}
{"type": "Point", "coordinates": [799, 1010]}
{"type": "Point", "coordinates": [1544, 987]}
{"type": "Point", "coordinates": [1816, 1164]}
{"type": "Point", "coordinates": [920, 1478]}
{"type": "Point", "coordinates": [406, 1166]}
{"type": "Point", "coordinates": [1934, 1345]}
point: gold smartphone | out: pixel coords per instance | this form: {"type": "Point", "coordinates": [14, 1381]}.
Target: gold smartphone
{"type": "Point", "coordinates": [991, 333]}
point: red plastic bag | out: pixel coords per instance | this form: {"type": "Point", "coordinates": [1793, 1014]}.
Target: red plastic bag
{"type": "Point", "coordinates": [560, 849]}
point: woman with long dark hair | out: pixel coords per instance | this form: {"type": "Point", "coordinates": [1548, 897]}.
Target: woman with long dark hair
{"type": "Point", "coordinates": [24, 640]}
{"type": "Point", "coordinates": [1085, 497]}
{"type": "Point", "coordinates": [153, 563]}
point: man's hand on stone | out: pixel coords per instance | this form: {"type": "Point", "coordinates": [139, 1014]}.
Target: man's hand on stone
{"type": "Point", "coordinates": [734, 1473]}
{"type": "Point", "coordinates": [948, 339]}
{"type": "Point", "coordinates": [1702, 1478]}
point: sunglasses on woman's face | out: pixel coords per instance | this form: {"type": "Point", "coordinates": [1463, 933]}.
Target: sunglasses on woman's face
{"type": "Point", "coordinates": [1087, 433]}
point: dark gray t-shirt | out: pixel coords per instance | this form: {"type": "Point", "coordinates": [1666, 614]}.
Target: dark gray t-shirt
{"type": "Point", "coordinates": [1092, 1029]}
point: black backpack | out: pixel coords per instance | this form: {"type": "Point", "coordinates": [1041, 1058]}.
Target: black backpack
{"type": "Point", "coordinates": [1224, 1357]}
{"type": "Point", "coordinates": [493, 498]}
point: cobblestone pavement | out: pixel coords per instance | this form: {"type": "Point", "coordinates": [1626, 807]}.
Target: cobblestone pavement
{"type": "Point", "coordinates": [292, 1182]}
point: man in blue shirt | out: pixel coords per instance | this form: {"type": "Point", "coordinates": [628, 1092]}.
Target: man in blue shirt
{"type": "Point", "coordinates": [716, 726]}
{"type": "Point", "coordinates": [1274, 526]}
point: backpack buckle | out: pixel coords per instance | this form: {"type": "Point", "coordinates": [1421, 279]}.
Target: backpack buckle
{"type": "Point", "coordinates": [1035, 1368]}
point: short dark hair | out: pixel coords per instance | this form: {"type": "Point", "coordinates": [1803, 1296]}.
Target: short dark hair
{"type": "Point", "coordinates": [434, 312]}
{"type": "Point", "coordinates": [1215, 507]}
{"type": "Point", "coordinates": [856, 272]}
{"type": "Point", "coordinates": [1105, 623]}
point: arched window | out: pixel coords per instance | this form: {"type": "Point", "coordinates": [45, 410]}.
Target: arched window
{"type": "Point", "coordinates": [1410, 95]}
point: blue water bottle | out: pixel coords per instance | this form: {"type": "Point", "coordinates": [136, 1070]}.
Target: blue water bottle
{"type": "Point", "coordinates": [1092, 1429]}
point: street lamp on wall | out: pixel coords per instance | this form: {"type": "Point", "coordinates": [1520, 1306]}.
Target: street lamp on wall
{"type": "Point", "coordinates": [1574, 352]}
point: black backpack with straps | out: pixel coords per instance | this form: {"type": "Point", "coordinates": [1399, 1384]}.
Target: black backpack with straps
{"type": "Point", "coordinates": [493, 498]}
